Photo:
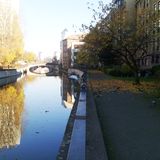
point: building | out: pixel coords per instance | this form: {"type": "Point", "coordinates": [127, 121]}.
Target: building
{"type": "Point", "coordinates": [67, 92]}
{"type": "Point", "coordinates": [150, 8]}
{"type": "Point", "coordinates": [136, 12]}
{"type": "Point", "coordinates": [127, 9]}
{"type": "Point", "coordinates": [69, 49]}
{"type": "Point", "coordinates": [118, 3]}
{"type": "Point", "coordinates": [74, 51]}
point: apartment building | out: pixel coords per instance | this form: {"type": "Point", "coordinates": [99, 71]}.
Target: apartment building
{"type": "Point", "coordinates": [127, 6]}
{"type": "Point", "coordinates": [141, 11]}
{"type": "Point", "coordinates": [69, 49]}
{"type": "Point", "coordinates": [150, 8]}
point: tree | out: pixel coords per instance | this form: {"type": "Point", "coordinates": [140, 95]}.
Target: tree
{"type": "Point", "coordinates": [16, 39]}
{"type": "Point", "coordinates": [12, 105]}
{"type": "Point", "coordinates": [11, 38]}
{"type": "Point", "coordinates": [96, 48]}
{"type": "Point", "coordinates": [88, 48]}
{"type": "Point", "coordinates": [29, 57]}
{"type": "Point", "coordinates": [127, 40]}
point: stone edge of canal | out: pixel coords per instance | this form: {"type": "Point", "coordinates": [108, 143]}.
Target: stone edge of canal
{"type": "Point", "coordinates": [66, 140]}
{"type": "Point", "coordinates": [63, 151]}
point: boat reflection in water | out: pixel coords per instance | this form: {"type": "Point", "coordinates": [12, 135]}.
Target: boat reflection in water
{"type": "Point", "coordinates": [8, 80]}
{"type": "Point", "coordinates": [11, 108]}
{"type": "Point", "coordinates": [68, 91]}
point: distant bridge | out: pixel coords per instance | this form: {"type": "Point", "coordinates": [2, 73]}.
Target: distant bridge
{"type": "Point", "coordinates": [48, 69]}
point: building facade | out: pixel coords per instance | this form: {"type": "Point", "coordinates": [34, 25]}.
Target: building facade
{"type": "Point", "coordinates": [128, 6]}
{"type": "Point", "coordinates": [67, 92]}
{"type": "Point", "coordinates": [150, 8]}
{"type": "Point", "coordinates": [69, 49]}
{"type": "Point", "coordinates": [142, 11]}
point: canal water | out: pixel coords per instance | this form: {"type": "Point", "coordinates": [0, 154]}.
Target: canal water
{"type": "Point", "coordinates": [33, 115]}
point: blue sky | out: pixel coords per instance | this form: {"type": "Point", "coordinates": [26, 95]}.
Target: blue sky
{"type": "Point", "coordinates": [44, 20]}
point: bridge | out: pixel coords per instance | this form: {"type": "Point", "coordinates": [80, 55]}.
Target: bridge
{"type": "Point", "coordinates": [47, 69]}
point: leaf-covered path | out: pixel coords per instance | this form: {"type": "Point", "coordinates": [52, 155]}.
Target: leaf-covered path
{"type": "Point", "coordinates": [130, 122]}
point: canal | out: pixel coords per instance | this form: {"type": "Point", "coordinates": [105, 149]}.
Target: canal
{"type": "Point", "coordinates": [33, 115]}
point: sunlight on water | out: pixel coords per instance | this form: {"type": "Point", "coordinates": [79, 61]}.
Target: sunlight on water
{"type": "Point", "coordinates": [33, 116]}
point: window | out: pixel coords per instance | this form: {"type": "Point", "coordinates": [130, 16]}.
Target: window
{"type": "Point", "coordinates": [154, 45]}
{"type": "Point", "coordinates": [158, 40]}
{"type": "Point", "coordinates": [154, 27]}
{"type": "Point", "coordinates": [152, 59]}
{"type": "Point", "coordinates": [147, 3]}
{"type": "Point", "coordinates": [155, 7]}
{"type": "Point", "coordinates": [139, 4]}
{"type": "Point", "coordinates": [157, 58]}
{"type": "Point", "coordinates": [159, 6]}
{"type": "Point", "coordinates": [145, 61]}
{"type": "Point", "coordinates": [158, 26]}
{"type": "Point", "coordinates": [159, 23]}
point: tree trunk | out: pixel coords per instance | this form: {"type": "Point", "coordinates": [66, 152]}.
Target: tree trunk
{"type": "Point", "coordinates": [137, 77]}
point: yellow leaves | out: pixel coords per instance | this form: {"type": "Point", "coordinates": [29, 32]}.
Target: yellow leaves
{"type": "Point", "coordinates": [9, 57]}
{"type": "Point", "coordinates": [104, 84]}
{"type": "Point", "coordinates": [12, 99]}
{"type": "Point", "coordinates": [11, 107]}
{"type": "Point", "coordinates": [11, 42]}
{"type": "Point", "coordinates": [30, 56]}
{"type": "Point", "coordinates": [121, 85]}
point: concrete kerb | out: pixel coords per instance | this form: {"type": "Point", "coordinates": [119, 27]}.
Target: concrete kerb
{"type": "Point", "coordinates": [84, 142]}
{"type": "Point", "coordinates": [95, 148]}
{"type": "Point", "coordinates": [78, 137]}
{"type": "Point", "coordinates": [73, 128]}
{"type": "Point", "coordinates": [95, 143]}
{"type": "Point", "coordinates": [78, 141]}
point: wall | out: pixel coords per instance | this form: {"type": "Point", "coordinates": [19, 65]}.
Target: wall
{"type": "Point", "coordinates": [8, 73]}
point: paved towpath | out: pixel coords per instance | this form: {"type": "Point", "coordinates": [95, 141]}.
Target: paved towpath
{"type": "Point", "coordinates": [130, 124]}
{"type": "Point", "coordinates": [95, 147]}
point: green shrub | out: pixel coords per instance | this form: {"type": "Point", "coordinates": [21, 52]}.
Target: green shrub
{"type": "Point", "coordinates": [106, 69]}
{"type": "Point", "coordinates": [118, 71]}
{"type": "Point", "coordinates": [156, 68]}
{"type": "Point", "coordinates": [157, 74]}
{"type": "Point", "coordinates": [156, 71]}
{"type": "Point", "coordinates": [126, 71]}
{"type": "Point", "coordinates": [115, 71]}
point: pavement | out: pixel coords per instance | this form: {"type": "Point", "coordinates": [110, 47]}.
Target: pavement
{"type": "Point", "coordinates": [95, 147]}
{"type": "Point", "coordinates": [83, 137]}
{"type": "Point", "coordinates": [120, 125]}
{"type": "Point", "coordinates": [130, 125]}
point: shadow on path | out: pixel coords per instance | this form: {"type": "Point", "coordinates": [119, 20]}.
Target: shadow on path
{"type": "Point", "coordinates": [130, 125]}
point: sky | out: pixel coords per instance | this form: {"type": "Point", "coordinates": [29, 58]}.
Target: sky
{"type": "Point", "coordinates": [44, 20]}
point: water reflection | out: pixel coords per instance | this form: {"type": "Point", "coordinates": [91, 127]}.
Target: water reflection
{"type": "Point", "coordinates": [5, 81]}
{"type": "Point", "coordinates": [68, 92]}
{"type": "Point", "coordinates": [11, 108]}
{"type": "Point", "coordinates": [40, 113]}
